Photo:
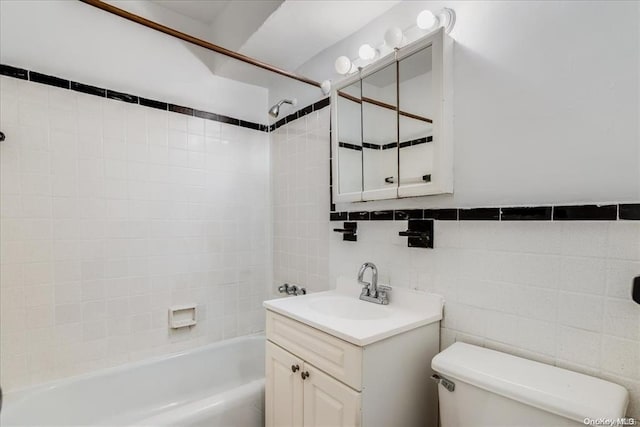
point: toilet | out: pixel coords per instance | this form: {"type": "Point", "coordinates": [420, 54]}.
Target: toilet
{"type": "Point", "coordinates": [486, 388]}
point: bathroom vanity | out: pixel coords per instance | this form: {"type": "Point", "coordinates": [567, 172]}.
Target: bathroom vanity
{"type": "Point", "coordinates": [332, 359]}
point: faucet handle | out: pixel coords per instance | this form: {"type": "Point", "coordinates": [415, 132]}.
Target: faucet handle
{"type": "Point", "coordinates": [384, 288]}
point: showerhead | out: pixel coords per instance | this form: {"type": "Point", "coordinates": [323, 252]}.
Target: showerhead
{"type": "Point", "coordinates": [275, 110]}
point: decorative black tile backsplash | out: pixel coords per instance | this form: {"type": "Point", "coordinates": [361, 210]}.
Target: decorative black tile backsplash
{"type": "Point", "coordinates": [180, 109]}
{"type": "Point", "coordinates": [154, 104]}
{"type": "Point", "coordinates": [585, 213]}
{"type": "Point", "coordinates": [120, 96]}
{"type": "Point", "coordinates": [408, 214]}
{"type": "Point", "coordinates": [441, 214]}
{"type": "Point", "coordinates": [373, 146]}
{"type": "Point", "coordinates": [19, 73]}
{"type": "Point", "coordinates": [629, 211]}
{"type": "Point", "coordinates": [359, 216]}
{"type": "Point", "coordinates": [338, 216]}
{"type": "Point", "coordinates": [49, 80]}
{"type": "Point", "coordinates": [538, 213]}
{"type": "Point", "coordinates": [479, 214]}
{"type": "Point", "coordinates": [90, 90]}
{"type": "Point", "coordinates": [349, 146]}
{"type": "Point", "coordinates": [381, 216]}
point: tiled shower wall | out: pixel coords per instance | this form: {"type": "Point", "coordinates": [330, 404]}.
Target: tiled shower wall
{"type": "Point", "coordinates": [113, 212]}
{"type": "Point", "coordinates": [556, 292]}
{"type": "Point", "coordinates": [300, 165]}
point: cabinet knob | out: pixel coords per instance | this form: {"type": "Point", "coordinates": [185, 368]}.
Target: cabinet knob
{"type": "Point", "coordinates": [295, 368]}
{"type": "Point", "coordinates": [304, 375]}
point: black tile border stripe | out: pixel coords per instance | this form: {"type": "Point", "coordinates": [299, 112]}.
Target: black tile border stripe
{"type": "Point", "coordinates": [90, 90]}
{"type": "Point", "coordinates": [49, 80]}
{"type": "Point", "coordinates": [350, 146]}
{"type": "Point", "coordinates": [528, 213]}
{"type": "Point", "coordinates": [18, 73]}
{"type": "Point", "coordinates": [629, 211]}
{"type": "Point", "coordinates": [479, 214]}
{"type": "Point", "coordinates": [585, 213]}
{"type": "Point", "coordinates": [387, 215]}
{"type": "Point", "coordinates": [607, 212]}
{"type": "Point", "coordinates": [23, 74]}
{"type": "Point", "coordinates": [359, 216]}
{"type": "Point", "coordinates": [373, 146]}
{"type": "Point", "coordinates": [404, 214]}
{"type": "Point", "coordinates": [159, 105]}
{"type": "Point", "coordinates": [120, 96]}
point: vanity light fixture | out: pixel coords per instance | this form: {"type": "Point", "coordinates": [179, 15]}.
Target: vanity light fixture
{"type": "Point", "coordinates": [343, 65]}
{"type": "Point", "coordinates": [325, 86]}
{"type": "Point", "coordinates": [427, 20]}
{"type": "Point", "coordinates": [393, 37]}
{"type": "Point", "coordinates": [366, 52]}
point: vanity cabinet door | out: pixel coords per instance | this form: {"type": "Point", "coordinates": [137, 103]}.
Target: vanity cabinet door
{"type": "Point", "coordinates": [283, 388]}
{"type": "Point", "coordinates": [328, 402]}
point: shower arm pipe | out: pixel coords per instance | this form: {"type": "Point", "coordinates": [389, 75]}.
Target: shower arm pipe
{"type": "Point", "coordinates": [199, 42]}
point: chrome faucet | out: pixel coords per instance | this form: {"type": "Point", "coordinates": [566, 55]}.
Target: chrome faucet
{"type": "Point", "coordinates": [372, 292]}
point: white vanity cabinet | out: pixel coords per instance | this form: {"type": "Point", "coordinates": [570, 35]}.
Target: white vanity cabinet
{"type": "Point", "coordinates": [316, 379]}
{"type": "Point", "coordinates": [317, 400]}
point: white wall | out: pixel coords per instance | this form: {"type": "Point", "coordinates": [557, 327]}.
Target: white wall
{"type": "Point", "coordinates": [545, 100]}
{"type": "Point", "coordinates": [111, 213]}
{"type": "Point", "coordinates": [75, 41]}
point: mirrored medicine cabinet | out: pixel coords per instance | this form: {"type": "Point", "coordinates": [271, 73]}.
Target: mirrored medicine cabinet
{"type": "Point", "coordinates": [392, 135]}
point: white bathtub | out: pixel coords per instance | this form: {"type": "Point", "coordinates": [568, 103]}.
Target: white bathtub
{"type": "Point", "coordinates": [221, 384]}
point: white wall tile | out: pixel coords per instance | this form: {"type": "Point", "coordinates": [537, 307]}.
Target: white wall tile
{"type": "Point", "coordinates": [108, 218]}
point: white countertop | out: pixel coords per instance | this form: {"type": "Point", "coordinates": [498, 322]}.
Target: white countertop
{"type": "Point", "coordinates": [341, 313]}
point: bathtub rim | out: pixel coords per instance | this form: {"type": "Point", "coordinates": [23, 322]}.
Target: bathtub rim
{"type": "Point", "coordinates": [17, 395]}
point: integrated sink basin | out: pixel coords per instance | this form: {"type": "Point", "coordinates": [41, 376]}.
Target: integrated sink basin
{"type": "Point", "coordinates": [345, 307]}
{"type": "Point", "coordinates": [341, 313]}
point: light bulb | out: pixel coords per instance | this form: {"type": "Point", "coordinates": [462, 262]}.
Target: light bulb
{"type": "Point", "coordinates": [343, 65]}
{"type": "Point", "coordinates": [426, 20]}
{"type": "Point", "coordinates": [366, 52]}
{"type": "Point", "coordinates": [393, 37]}
{"type": "Point", "coordinates": [326, 87]}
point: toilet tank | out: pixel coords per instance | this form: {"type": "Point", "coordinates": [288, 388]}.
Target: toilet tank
{"type": "Point", "coordinates": [497, 389]}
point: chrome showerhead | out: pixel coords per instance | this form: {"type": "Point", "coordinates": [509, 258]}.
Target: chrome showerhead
{"type": "Point", "coordinates": [275, 110]}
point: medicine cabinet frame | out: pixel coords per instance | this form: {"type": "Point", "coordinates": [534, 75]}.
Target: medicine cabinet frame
{"type": "Point", "coordinates": [441, 178]}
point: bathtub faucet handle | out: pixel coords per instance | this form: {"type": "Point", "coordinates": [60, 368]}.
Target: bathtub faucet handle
{"type": "Point", "coordinates": [295, 368]}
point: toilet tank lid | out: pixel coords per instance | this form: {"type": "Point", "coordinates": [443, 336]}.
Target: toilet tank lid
{"type": "Point", "coordinates": [549, 388]}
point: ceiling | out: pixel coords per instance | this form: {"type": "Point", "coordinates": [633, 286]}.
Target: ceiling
{"type": "Point", "coordinates": [204, 11]}
{"type": "Point", "coordinates": [284, 33]}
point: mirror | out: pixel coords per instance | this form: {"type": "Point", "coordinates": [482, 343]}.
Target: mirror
{"type": "Point", "coordinates": [380, 133]}
{"type": "Point", "coordinates": [417, 105]}
{"type": "Point", "coordinates": [394, 125]}
{"type": "Point", "coordinates": [349, 152]}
